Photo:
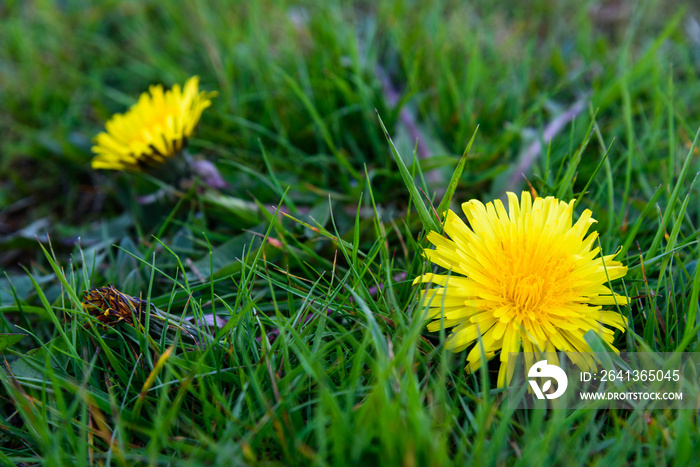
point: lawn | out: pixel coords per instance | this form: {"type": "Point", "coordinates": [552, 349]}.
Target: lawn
{"type": "Point", "coordinates": [274, 318]}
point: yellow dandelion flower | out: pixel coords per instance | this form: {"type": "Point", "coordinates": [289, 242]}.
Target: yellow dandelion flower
{"type": "Point", "coordinates": [152, 130]}
{"type": "Point", "coordinates": [528, 278]}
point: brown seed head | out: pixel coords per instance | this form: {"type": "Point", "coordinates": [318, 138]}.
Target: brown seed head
{"type": "Point", "coordinates": [110, 306]}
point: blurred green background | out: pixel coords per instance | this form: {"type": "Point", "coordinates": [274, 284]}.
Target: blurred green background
{"type": "Point", "coordinates": [303, 80]}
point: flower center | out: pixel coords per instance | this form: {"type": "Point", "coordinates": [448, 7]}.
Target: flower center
{"type": "Point", "coordinates": [529, 292]}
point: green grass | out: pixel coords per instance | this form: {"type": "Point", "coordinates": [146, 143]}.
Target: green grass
{"type": "Point", "coordinates": [311, 251]}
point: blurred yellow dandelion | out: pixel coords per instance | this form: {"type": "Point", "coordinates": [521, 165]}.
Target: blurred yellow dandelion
{"type": "Point", "coordinates": [152, 130]}
{"type": "Point", "coordinates": [528, 278]}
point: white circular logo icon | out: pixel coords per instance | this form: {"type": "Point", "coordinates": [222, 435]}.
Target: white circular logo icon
{"type": "Point", "coordinates": [542, 370]}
